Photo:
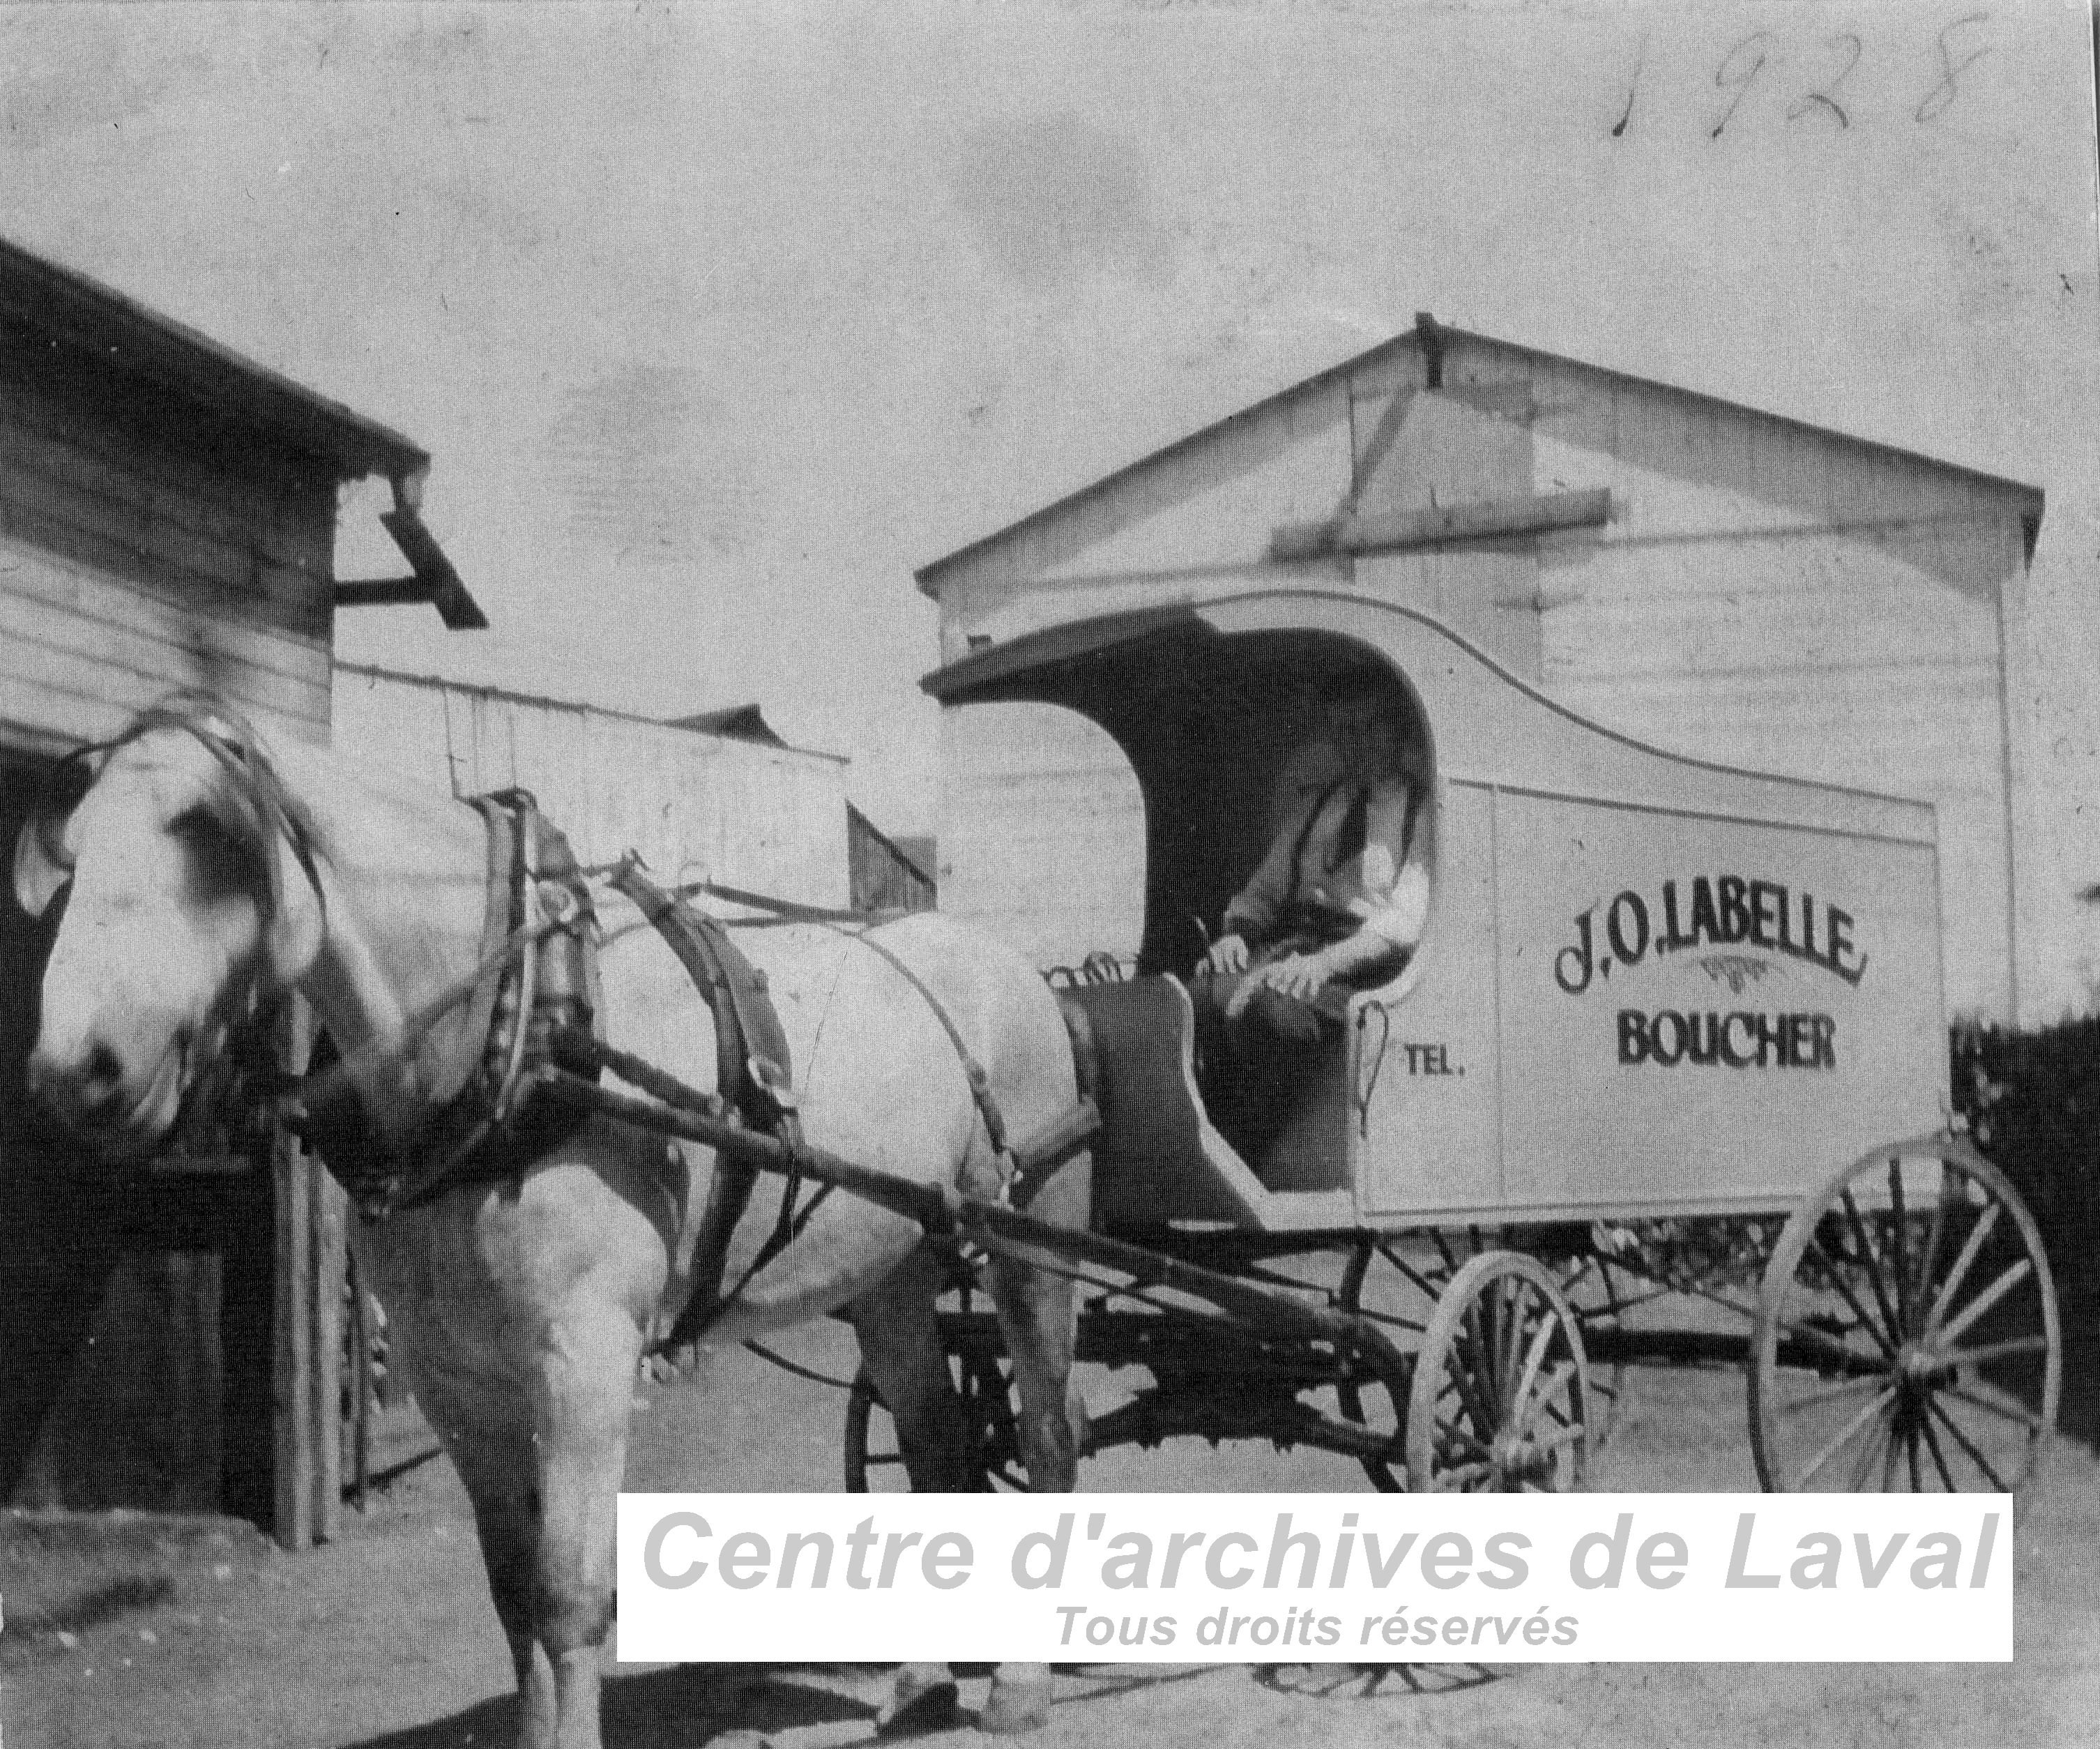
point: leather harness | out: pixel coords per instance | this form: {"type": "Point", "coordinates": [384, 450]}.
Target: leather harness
{"type": "Point", "coordinates": [536, 1007]}
{"type": "Point", "coordinates": [533, 1000]}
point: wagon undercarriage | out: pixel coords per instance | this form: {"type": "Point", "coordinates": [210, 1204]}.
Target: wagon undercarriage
{"type": "Point", "coordinates": [1898, 1331]}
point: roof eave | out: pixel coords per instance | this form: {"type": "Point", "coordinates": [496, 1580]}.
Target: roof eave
{"type": "Point", "coordinates": [928, 576]}
{"type": "Point", "coordinates": [79, 312]}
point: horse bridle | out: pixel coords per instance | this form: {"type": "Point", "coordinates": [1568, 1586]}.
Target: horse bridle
{"type": "Point", "coordinates": [244, 1069]}
{"type": "Point", "coordinates": [232, 742]}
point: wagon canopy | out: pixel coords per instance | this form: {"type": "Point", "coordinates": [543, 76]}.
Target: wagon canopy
{"type": "Point", "coordinates": [1215, 722]}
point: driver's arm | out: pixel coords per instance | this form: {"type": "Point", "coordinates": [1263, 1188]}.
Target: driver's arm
{"type": "Point", "coordinates": [1392, 904]}
{"type": "Point", "coordinates": [1250, 918]}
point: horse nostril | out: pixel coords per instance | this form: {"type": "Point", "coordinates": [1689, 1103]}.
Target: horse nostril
{"type": "Point", "coordinates": [80, 1091]}
{"type": "Point", "coordinates": [104, 1073]}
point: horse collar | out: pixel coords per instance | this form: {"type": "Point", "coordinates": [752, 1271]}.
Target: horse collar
{"type": "Point", "coordinates": [539, 985]}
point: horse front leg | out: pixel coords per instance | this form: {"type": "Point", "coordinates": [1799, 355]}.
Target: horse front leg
{"type": "Point", "coordinates": [490, 1443]}
{"type": "Point", "coordinates": [1038, 1316]}
{"type": "Point", "coordinates": [583, 1394]}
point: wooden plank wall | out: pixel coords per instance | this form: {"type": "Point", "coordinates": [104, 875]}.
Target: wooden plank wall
{"type": "Point", "coordinates": [768, 819]}
{"type": "Point", "coordinates": [140, 551]}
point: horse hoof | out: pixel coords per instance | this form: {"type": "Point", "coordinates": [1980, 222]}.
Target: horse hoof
{"type": "Point", "coordinates": [1014, 1707]}
{"type": "Point", "coordinates": [917, 1706]}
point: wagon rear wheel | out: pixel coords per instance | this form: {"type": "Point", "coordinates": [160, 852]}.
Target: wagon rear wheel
{"type": "Point", "coordinates": [984, 1381]}
{"type": "Point", "coordinates": [1501, 1401]}
{"type": "Point", "coordinates": [1907, 1336]}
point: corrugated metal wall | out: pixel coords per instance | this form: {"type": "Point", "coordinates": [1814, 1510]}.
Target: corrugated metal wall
{"type": "Point", "coordinates": [768, 819]}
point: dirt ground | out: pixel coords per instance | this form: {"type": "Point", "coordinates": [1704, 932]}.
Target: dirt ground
{"type": "Point", "coordinates": [199, 1634]}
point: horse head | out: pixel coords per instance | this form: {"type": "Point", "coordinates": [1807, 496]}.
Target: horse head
{"type": "Point", "coordinates": [191, 892]}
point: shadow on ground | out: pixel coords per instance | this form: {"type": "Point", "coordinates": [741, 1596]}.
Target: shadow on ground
{"type": "Point", "coordinates": [681, 1707]}
{"type": "Point", "coordinates": [689, 1706]}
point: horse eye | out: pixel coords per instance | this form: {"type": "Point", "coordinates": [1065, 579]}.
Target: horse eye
{"type": "Point", "coordinates": [222, 860]}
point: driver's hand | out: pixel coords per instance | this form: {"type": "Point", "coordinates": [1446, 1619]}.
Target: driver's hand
{"type": "Point", "coordinates": [1301, 976]}
{"type": "Point", "coordinates": [1228, 954]}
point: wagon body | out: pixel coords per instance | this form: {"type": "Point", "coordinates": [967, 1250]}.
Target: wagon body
{"type": "Point", "coordinates": [1664, 1079]}
{"type": "Point", "coordinates": [1647, 986]}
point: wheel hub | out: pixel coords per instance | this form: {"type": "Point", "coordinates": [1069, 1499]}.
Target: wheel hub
{"type": "Point", "coordinates": [1517, 1461]}
{"type": "Point", "coordinates": [1921, 1369]}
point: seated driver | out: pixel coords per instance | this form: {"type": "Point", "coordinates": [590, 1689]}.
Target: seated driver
{"type": "Point", "coordinates": [1337, 902]}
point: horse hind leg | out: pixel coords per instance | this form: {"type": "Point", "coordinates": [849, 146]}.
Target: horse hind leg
{"type": "Point", "coordinates": [902, 1351]}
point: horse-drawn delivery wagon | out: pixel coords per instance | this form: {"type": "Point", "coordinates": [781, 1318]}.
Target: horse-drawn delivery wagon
{"type": "Point", "coordinates": [1653, 1006]}
{"type": "Point", "coordinates": [1638, 1093]}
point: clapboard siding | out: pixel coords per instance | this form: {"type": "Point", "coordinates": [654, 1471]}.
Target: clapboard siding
{"type": "Point", "coordinates": [68, 587]}
{"type": "Point", "coordinates": [292, 531]}
{"type": "Point", "coordinates": [70, 630]}
{"type": "Point", "coordinates": [211, 454]}
{"type": "Point", "coordinates": [148, 547]}
{"type": "Point", "coordinates": [150, 542]}
{"type": "Point", "coordinates": [767, 819]}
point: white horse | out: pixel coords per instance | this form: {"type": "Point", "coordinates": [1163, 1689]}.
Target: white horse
{"type": "Point", "coordinates": [207, 871]}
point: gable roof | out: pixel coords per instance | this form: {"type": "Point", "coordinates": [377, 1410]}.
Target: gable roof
{"type": "Point", "coordinates": [1430, 335]}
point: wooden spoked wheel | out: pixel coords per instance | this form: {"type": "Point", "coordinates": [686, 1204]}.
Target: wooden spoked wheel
{"type": "Point", "coordinates": [1500, 1399]}
{"type": "Point", "coordinates": [1907, 1336]}
{"type": "Point", "coordinates": [1382, 1283]}
{"type": "Point", "coordinates": [983, 1381]}
{"type": "Point", "coordinates": [1601, 1293]}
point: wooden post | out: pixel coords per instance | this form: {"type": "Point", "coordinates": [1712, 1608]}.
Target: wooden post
{"type": "Point", "coordinates": [311, 1261]}
{"type": "Point", "coordinates": [331, 1271]}
{"type": "Point", "coordinates": [293, 1369]}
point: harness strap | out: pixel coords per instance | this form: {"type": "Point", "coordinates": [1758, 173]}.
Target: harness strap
{"type": "Point", "coordinates": [753, 1075]}
{"type": "Point", "coordinates": [752, 1066]}
{"type": "Point", "coordinates": [500, 918]}
{"type": "Point", "coordinates": [980, 1083]}
{"type": "Point", "coordinates": [535, 978]}
{"type": "Point", "coordinates": [973, 1070]}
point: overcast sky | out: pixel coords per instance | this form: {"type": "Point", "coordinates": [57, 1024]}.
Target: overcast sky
{"type": "Point", "coordinates": [720, 320]}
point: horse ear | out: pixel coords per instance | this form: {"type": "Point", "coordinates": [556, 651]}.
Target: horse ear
{"type": "Point", "coordinates": [43, 861]}
{"type": "Point", "coordinates": [299, 923]}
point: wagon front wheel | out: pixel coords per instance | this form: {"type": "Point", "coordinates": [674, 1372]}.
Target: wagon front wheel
{"type": "Point", "coordinates": [1501, 1401]}
{"type": "Point", "coordinates": [874, 1464]}
{"type": "Point", "coordinates": [1907, 1336]}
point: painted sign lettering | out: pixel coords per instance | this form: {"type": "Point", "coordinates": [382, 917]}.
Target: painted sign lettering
{"type": "Point", "coordinates": [1740, 1040]}
{"type": "Point", "coordinates": [1724, 910]}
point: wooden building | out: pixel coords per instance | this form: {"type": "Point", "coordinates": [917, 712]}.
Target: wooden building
{"type": "Point", "coordinates": [167, 519]}
{"type": "Point", "coordinates": [885, 874]}
{"type": "Point", "coordinates": [703, 796]}
{"type": "Point", "coordinates": [1709, 579]}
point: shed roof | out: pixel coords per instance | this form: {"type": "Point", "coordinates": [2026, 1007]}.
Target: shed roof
{"type": "Point", "coordinates": [1427, 332]}
{"type": "Point", "coordinates": [68, 309]}
{"type": "Point", "coordinates": [740, 723]}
